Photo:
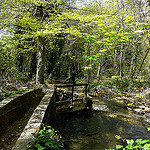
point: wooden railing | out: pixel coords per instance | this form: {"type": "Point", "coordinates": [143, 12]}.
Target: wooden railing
{"type": "Point", "coordinates": [71, 85]}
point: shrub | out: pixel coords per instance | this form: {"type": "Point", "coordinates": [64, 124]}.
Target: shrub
{"type": "Point", "coordinates": [139, 144]}
{"type": "Point", "coordinates": [47, 139]}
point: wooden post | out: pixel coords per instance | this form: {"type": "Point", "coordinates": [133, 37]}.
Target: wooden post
{"type": "Point", "coordinates": [86, 90]}
{"type": "Point", "coordinates": [72, 93]}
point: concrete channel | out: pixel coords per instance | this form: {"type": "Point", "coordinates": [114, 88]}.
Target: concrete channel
{"type": "Point", "coordinates": [46, 110]}
{"type": "Point", "coordinates": [15, 107]}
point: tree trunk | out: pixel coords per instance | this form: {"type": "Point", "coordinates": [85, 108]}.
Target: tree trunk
{"type": "Point", "coordinates": [121, 63]}
{"type": "Point", "coordinates": [41, 61]}
{"type": "Point", "coordinates": [88, 63]}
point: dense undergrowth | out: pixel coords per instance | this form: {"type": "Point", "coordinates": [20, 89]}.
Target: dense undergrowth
{"type": "Point", "coordinates": [124, 85]}
{"type": "Point", "coordinates": [10, 88]}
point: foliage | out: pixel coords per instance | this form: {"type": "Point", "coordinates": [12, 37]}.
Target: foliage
{"type": "Point", "coordinates": [97, 40]}
{"type": "Point", "coordinates": [3, 95]}
{"type": "Point", "coordinates": [21, 90]}
{"type": "Point", "coordinates": [9, 90]}
{"type": "Point", "coordinates": [7, 56]}
{"type": "Point", "coordinates": [114, 50]}
{"type": "Point", "coordinates": [47, 138]}
{"type": "Point", "coordinates": [122, 85]}
{"type": "Point", "coordinates": [139, 144]}
{"type": "Point", "coordinates": [140, 95]}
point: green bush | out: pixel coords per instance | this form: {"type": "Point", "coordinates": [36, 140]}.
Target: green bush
{"type": "Point", "coordinates": [47, 139]}
{"type": "Point", "coordinates": [123, 84]}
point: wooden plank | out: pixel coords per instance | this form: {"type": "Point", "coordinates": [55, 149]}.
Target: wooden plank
{"type": "Point", "coordinates": [69, 85]}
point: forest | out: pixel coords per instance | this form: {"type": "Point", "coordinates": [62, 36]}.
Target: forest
{"type": "Point", "coordinates": [104, 43]}
{"type": "Point", "coordinates": [98, 41]}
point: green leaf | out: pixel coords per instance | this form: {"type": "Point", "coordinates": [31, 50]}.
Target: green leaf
{"type": "Point", "coordinates": [144, 141]}
{"type": "Point", "coordinates": [119, 146]}
{"type": "Point", "coordinates": [39, 147]}
{"type": "Point", "coordinates": [86, 68]}
{"type": "Point", "coordinates": [118, 137]}
{"type": "Point", "coordinates": [140, 141]}
{"type": "Point", "coordinates": [130, 141]}
{"type": "Point", "coordinates": [103, 50]}
{"type": "Point", "coordinates": [130, 146]}
{"type": "Point", "coordinates": [146, 147]}
{"type": "Point", "coordinates": [48, 144]}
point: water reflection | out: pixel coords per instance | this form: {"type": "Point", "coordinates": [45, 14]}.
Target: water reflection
{"type": "Point", "coordinates": [100, 106]}
{"type": "Point", "coordinates": [97, 131]}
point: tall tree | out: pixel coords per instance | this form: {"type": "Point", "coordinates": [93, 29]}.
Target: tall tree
{"type": "Point", "coordinates": [111, 38]}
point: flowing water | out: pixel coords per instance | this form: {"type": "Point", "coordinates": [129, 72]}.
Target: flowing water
{"type": "Point", "coordinates": [99, 130]}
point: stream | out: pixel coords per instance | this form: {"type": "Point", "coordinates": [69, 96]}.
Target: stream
{"type": "Point", "coordinates": [100, 129]}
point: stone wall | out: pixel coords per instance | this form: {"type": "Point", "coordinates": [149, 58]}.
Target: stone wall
{"type": "Point", "coordinates": [15, 107]}
{"type": "Point", "coordinates": [43, 112]}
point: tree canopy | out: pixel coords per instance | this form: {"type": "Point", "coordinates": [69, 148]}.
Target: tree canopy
{"type": "Point", "coordinates": [53, 38]}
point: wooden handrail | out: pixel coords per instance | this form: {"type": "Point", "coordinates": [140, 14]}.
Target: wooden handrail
{"type": "Point", "coordinates": [69, 85]}
{"type": "Point", "coordinates": [72, 85]}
